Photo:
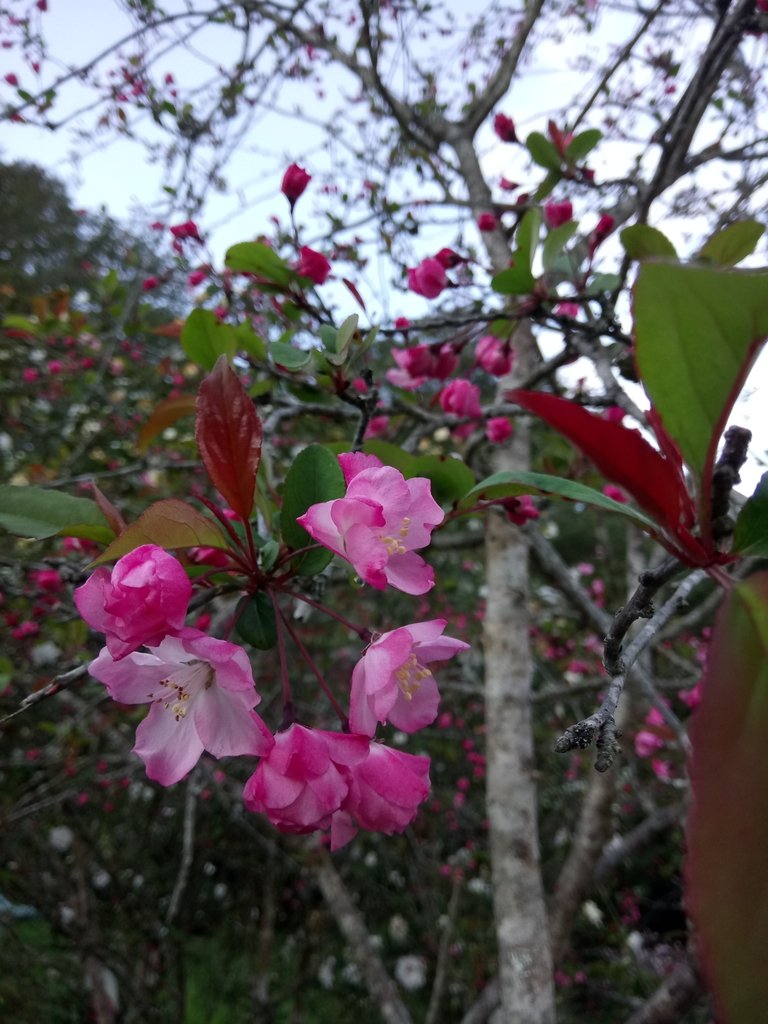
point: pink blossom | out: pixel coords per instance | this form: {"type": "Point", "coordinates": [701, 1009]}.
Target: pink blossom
{"type": "Point", "coordinates": [201, 694]}
{"type": "Point", "coordinates": [461, 398]}
{"type": "Point", "coordinates": [26, 629]}
{"type": "Point", "coordinates": [402, 323]}
{"type": "Point", "coordinates": [692, 697]}
{"type": "Point", "coordinates": [11, 79]}
{"type": "Point", "coordinates": [377, 426]}
{"type": "Point", "coordinates": [611, 491]}
{"type": "Point", "coordinates": [313, 265]}
{"type": "Point", "coordinates": [494, 355]}
{"type": "Point", "coordinates": [520, 510]}
{"type": "Point", "coordinates": [196, 277]}
{"type": "Point", "coordinates": [29, 374]}
{"type": "Point", "coordinates": [186, 230]}
{"type": "Point", "coordinates": [150, 283]}
{"type": "Point", "coordinates": [487, 222]}
{"type": "Point", "coordinates": [385, 791]}
{"type": "Point", "coordinates": [303, 779]}
{"type": "Point", "coordinates": [295, 180]}
{"type": "Point", "coordinates": [507, 185]}
{"type": "Point", "coordinates": [47, 579]}
{"type": "Point", "coordinates": [140, 601]}
{"type": "Point", "coordinates": [379, 524]}
{"type": "Point", "coordinates": [391, 683]}
{"type": "Point", "coordinates": [505, 128]}
{"type": "Point", "coordinates": [428, 279]}
{"type": "Point", "coordinates": [614, 414]}
{"type": "Point", "coordinates": [600, 232]}
{"type": "Point", "coordinates": [448, 258]}
{"type": "Point", "coordinates": [571, 309]}
{"type": "Point", "coordinates": [421, 362]}
{"type": "Point", "coordinates": [157, 225]}
{"type": "Point", "coordinates": [556, 214]}
{"type": "Point", "coordinates": [498, 429]}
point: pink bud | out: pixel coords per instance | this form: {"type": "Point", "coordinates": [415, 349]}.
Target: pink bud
{"type": "Point", "coordinates": [494, 355]}
{"type": "Point", "coordinates": [150, 283]}
{"type": "Point", "coordinates": [428, 279]}
{"type": "Point", "coordinates": [505, 128]}
{"type": "Point", "coordinates": [186, 230]}
{"type": "Point", "coordinates": [448, 258]}
{"type": "Point", "coordinates": [313, 265]}
{"type": "Point", "coordinates": [498, 429]}
{"type": "Point", "coordinates": [461, 398]}
{"type": "Point", "coordinates": [196, 277]}
{"type": "Point", "coordinates": [11, 79]}
{"type": "Point", "coordinates": [556, 214]}
{"type": "Point", "coordinates": [487, 222]}
{"type": "Point", "coordinates": [295, 180]}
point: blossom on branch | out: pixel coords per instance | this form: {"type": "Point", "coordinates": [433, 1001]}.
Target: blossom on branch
{"type": "Point", "coordinates": [201, 693]}
{"type": "Point", "coordinates": [139, 602]}
{"type": "Point", "coordinates": [378, 524]}
{"type": "Point", "coordinates": [295, 180]}
{"type": "Point", "coordinates": [313, 264]}
{"type": "Point", "coordinates": [391, 682]}
{"type": "Point", "coordinates": [428, 279]}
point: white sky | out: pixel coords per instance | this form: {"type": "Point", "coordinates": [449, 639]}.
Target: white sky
{"type": "Point", "coordinates": [117, 173]}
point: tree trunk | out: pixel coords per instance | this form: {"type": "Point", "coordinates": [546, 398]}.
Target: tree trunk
{"type": "Point", "coordinates": [522, 932]}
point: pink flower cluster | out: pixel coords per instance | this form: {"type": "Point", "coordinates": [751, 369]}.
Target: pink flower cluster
{"type": "Point", "coordinates": [201, 693]}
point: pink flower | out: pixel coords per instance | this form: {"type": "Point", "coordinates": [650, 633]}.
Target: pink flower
{"type": "Point", "coordinates": [295, 180]}
{"type": "Point", "coordinates": [571, 309]}
{"type": "Point", "coordinates": [196, 277]}
{"type": "Point", "coordinates": [494, 355]}
{"type": "Point", "coordinates": [150, 283]}
{"type": "Point", "coordinates": [421, 362]}
{"type": "Point", "coordinates": [385, 791]}
{"type": "Point", "coordinates": [487, 222]}
{"type": "Point", "coordinates": [448, 258]}
{"type": "Point", "coordinates": [377, 426]}
{"type": "Point", "coordinates": [519, 510]}
{"type": "Point", "coordinates": [140, 601]}
{"type": "Point", "coordinates": [614, 414]}
{"type": "Point", "coordinates": [29, 374]}
{"type": "Point", "coordinates": [402, 323]}
{"type": "Point", "coordinates": [303, 779]}
{"type": "Point", "coordinates": [611, 491]}
{"type": "Point", "coordinates": [692, 697]}
{"type": "Point", "coordinates": [186, 230]}
{"type": "Point", "coordinates": [379, 524]}
{"type": "Point", "coordinates": [313, 265]}
{"type": "Point", "coordinates": [507, 185]}
{"type": "Point", "coordinates": [556, 214]}
{"type": "Point", "coordinates": [600, 232]}
{"type": "Point", "coordinates": [391, 683]}
{"type": "Point", "coordinates": [201, 694]}
{"type": "Point", "coordinates": [498, 429]}
{"type": "Point", "coordinates": [428, 279]}
{"type": "Point", "coordinates": [11, 79]}
{"type": "Point", "coordinates": [461, 398]}
{"type": "Point", "coordinates": [505, 128]}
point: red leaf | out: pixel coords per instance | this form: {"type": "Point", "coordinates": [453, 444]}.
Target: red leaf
{"type": "Point", "coordinates": [727, 832]}
{"type": "Point", "coordinates": [170, 523]}
{"type": "Point", "coordinates": [625, 457]}
{"type": "Point", "coordinates": [164, 415]}
{"type": "Point", "coordinates": [355, 292]}
{"type": "Point", "coordinates": [228, 432]}
{"type": "Point", "coordinates": [108, 510]}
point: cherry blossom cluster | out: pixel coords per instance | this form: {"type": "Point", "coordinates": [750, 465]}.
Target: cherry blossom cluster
{"type": "Point", "coordinates": [201, 691]}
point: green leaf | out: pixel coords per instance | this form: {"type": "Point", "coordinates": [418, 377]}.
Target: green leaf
{"type": "Point", "coordinates": [528, 237]}
{"type": "Point", "coordinates": [288, 357]}
{"type": "Point", "coordinates": [170, 523]}
{"type": "Point", "coordinates": [584, 143]}
{"type": "Point", "coordinates": [256, 621]}
{"type": "Point", "coordinates": [732, 244]}
{"type": "Point", "coordinates": [21, 323]}
{"type": "Point", "coordinates": [517, 280]}
{"type": "Point", "coordinates": [38, 512]}
{"type": "Point", "coordinates": [328, 336]}
{"type": "Point", "coordinates": [6, 673]}
{"type": "Point", "coordinates": [750, 536]}
{"type": "Point", "coordinates": [697, 333]}
{"type": "Point", "coordinates": [314, 476]}
{"type": "Point", "coordinates": [508, 484]}
{"type": "Point", "coordinates": [556, 241]}
{"type": "Point", "coordinates": [204, 338]}
{"type": "Point", "coordinates": [248, 341]}
{"type": "Point", "coordinates": [727, 832]}
{"type": "Point", "coordinates": [257, 258]}
{"type": "Point", "coordinates": [552, 179]}
{"type": "Point", "coordinates": [601, 283]}
{"type": "Point", "coordinates": [642, 242]}
{"type": "Point", "coordinates": [346, 332]}
{"type": "Point", "coordinates": [543, 152]}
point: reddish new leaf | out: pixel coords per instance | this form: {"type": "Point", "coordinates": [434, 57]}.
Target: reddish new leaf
{"type": "Point", "coordinates": [355, 293]}
{"type": "Point", "coordinates": [108, 510]}
{"type": "Point", "coordinates": [165, 414]}
{"type": "Point", "coordinates": [625, 457]}
{"type": "Point", "coordinates": [228, 432]}
{"type": "Point", "coordinates": [170, 523]}
{"type": "Point", "coordinates": [727, 834]}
